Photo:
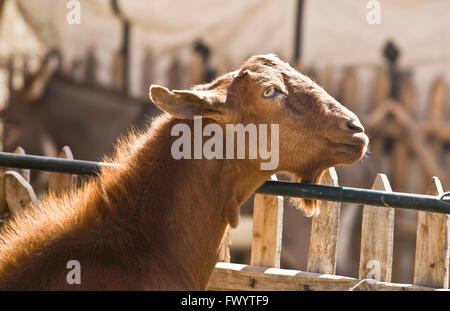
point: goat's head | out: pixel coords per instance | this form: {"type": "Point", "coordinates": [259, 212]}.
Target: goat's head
{"type": "Point", "coordinates": [315, 131]}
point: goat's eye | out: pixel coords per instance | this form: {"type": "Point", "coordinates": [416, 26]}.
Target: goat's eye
{"type": "Point", "coordinates": [271, 92]}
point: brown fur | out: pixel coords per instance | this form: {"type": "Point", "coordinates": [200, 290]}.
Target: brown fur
{"type": "Point", "coordinates": [156, 222]}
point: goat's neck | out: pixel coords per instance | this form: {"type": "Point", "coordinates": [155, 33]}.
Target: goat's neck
{"type": "Point", "coordinates": [191, 203]}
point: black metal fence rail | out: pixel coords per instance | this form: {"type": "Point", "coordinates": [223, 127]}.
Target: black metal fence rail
{"type": "Point", "coordinates": [439, 204]}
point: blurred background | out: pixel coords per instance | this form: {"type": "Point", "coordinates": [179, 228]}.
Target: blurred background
{"type": "Point", "coordinates": [84, 84]}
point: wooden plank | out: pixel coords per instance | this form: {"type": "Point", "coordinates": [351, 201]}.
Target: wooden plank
{"type": "Point", "coordinates": [326, 80]}
{"type": "Point", "coordinates": [60, 182]}
{"type": "Point", "coordinates": [436, 113]}
{"type": "Point", "coordinates": [380, 88]}
{"type": "Point", "coordinates": [174, 75]}
{"type": "Point", "coordinates": [438, 100]}
{"type": "Point", "coordinates": [377, 237]}
{"type": "Point", "coordinates": [349, 90]}
{"type": "Point", "coordinates": [373, 285]}
{"type": "Point", "coordinates": [431, 267]}
{"type": "Point", "coordinates": [18, 193]}
{"type": "Point", "coordinates": [228, 276]}
{"type": "Point", "coordinates": [324, 231]}
{"type": "Point", "coordinates": [407, 96]}
{"type": "Point", "coordinates": [119, 70]}
{"type": "Point", "coordinates": [223, 253]}
{"type": "Point", "coordinates": [24, 172]}
{"type": "Point", "coordinates": [196, 69]}
{"type": "Point", "coordinates": [267, 230]}
{"type": "Point", "coordinates": [400, 157]}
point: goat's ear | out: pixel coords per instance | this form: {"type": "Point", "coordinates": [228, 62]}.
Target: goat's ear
{"type": "Point", "coordinates": [187, 104]}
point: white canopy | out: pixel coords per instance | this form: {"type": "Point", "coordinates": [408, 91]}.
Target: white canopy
{"type": "Point", "coordinates": [335, 32]}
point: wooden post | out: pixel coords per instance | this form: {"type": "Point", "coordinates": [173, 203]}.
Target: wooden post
{"type": "Point", "coordinates": [431, 267]}
{"type": "Point", "coordinates": [324, 232]}
{"type": "Point", "coordinates": [223, 253]}
{"type": "Point", "coordinates": [60, 182]}
{"type": "Point", "coordinates": [18, 193]}
{"type": "Point", "coordinates": [267, 230]}
{"type": "Point", "coordinates": [377, 237]}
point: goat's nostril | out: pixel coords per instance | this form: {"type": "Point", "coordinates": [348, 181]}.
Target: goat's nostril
{"type": "Point", "coordinates": [355, 126]}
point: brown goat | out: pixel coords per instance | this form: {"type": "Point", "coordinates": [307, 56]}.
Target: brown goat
{"type": "Point", "coordinates": [156, 222]}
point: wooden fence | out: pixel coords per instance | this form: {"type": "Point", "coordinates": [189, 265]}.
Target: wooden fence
{"type": "Point", "coordinates": [431, 270]}
{"type": "Point", "coordinates": [375, 268]}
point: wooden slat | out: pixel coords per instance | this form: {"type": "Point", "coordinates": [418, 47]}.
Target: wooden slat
{"type": "Point", "coordinates": [60, 182]}
{"type": "Point", "coordinates": [267, 230]}
{"type": "Point", "coordinates": [223, 254]}
{"type": "Point", "coordinates": [18, 193]}
{"type": "Point", "coordinates": [326, 80]}
{"type": "Point", "coordinates": [400, 157]}
{"type": "Point", "coordinates": [24, 172]}
{"type": "Point", "coordinates": [119, 70]}
{"type": "Point", "coordinates": [349, 90]}
{"type": "Point", "coordinates": [228, 276]}
{"type": "Point", "coordinates": [431, 267]}
{"type": "Point", "coordinates": [377, 237]}
{"type": "Point", "coordinates": [380, 88]}
{"type": "Point", "coordinates": [408, 96]}
{"type": "Point", "coordinates": [373, 285]}
{"type": "Point", "coordinates": [148, 71]}
{"type": "Point", "coordinates": [196, 69]}
{"type": "Point", "coordinates": [324, 232]}
{"type": "Point", "coordinates": [175, 74]}
{"type": "Point", "coordinates": [438, 100]}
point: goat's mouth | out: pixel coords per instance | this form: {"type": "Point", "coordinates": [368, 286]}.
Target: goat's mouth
{"type": "Point", "coordinates": [350, 148]}
{"type": "Point", "coordinates": [357, 140]}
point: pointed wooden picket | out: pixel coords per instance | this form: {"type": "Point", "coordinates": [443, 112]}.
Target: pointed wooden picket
{"type": "Point", "coordinates": [431, 266]}
{"type": "Point", "coordinates": [18, 193]}
{"type": "Point", "coordinates": [324, 232]}
{"type": "Point", "coordinates": [267, 230]}
{"type": "Point", "coordinates": [377, 237]}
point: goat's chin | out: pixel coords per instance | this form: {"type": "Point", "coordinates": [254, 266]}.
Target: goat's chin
{"type": "Point", "coordinates": [309, 207]}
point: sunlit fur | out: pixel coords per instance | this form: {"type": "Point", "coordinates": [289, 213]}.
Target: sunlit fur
{"type": "Point", "coordinates": [155, 222]}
